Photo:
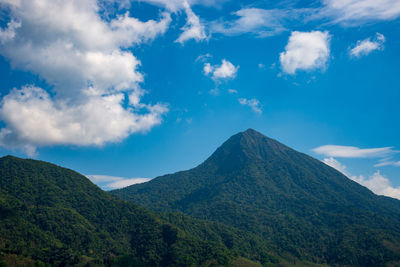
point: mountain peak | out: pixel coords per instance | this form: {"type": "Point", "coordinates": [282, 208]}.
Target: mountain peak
{"type": "Point", "coordinates": [257, 184]}
{"type": "Point", "coordinates": [257, 144]}
{"type": "Point", "coordinates": [251, 131]}
{"type": "Point", "coordinates": [243, 147]}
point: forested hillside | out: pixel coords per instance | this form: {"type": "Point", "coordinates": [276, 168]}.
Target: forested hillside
{"type": "Point", "coordinates": [54, 215]}
{"type": "Point", "coordinates": [294, 202]}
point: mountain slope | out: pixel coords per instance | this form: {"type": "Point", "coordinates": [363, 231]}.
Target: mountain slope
{"type": "Point", "coordinates": [57, 216]}
{"type": "Point", "coordinates": [298, 203]}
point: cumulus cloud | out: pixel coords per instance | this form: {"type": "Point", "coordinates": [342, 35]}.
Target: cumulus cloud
{"type": "Point", "coordinates": [377, 183]}
{"type": "Point", "coordinates": [359, 11]}
{"type": "Point", "coordinates": [353, 152]}
{"type": "Point", "coordinates": [305, 51]}
{"type": "Point", "coordinates": [92, 74]}
{"type": "Point", "coordinates": [114, 182]}
{"type": "Point", "coordinates": [32, 117]}
{"type": "Point", "coordinates": [232, 91]}
{"type": "Point", "coordinates": [193, 28]}
{"type": "Point", "coordinates": [364, 47]}
{"type": "Point", "coordinates": [226, 70]}
{"type": "Point", "coordinates": [254, 104]}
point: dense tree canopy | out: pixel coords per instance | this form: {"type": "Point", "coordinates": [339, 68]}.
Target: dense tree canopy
{"type": "Point", "coordinates": [54, 215]}
{"type": "Point", "coordinates": [296, 204]}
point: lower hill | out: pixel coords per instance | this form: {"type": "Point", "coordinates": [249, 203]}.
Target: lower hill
{"type": "Point", "coordinates": [52, 215]}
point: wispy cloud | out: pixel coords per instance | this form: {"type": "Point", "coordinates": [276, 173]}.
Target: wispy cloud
{"type": "Point", "coordinates": [194, 28]}
{"type": "Point", "coordinates": [260, 22]}
{"type": "Point", "coordinates": [107, 182]}
{"type": "Point", "coordinates": [203, 58]}
{"type": "Point", "coordinates": [353, 152]}
{"type": "Point", "coordinates": [355, 12]}
{"type": "Point", "coordinates": [253, 103]}
{"type": "Point", "coordinates": [366, 46]}
{"type": "Point", "coordinates": [387, 162]}
{"type": "Point", "coordinates": [176, 5]}
{"type": "Point", "coordinates": [305, 51]}
{"type": "Point", "coordinates": [336, 165]}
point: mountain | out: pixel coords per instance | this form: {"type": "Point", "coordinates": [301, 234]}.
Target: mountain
{"type": "Point", "coordinates": [297, 203]}
{"type": "Point", "coordinates": [52, 215]}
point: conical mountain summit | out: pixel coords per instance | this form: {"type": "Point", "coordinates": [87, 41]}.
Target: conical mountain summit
{"type": "Point", "coordinates": [298, 203]}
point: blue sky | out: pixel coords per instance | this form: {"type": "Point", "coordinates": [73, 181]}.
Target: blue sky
{"type": "Point", "coordinates": [119, 90]}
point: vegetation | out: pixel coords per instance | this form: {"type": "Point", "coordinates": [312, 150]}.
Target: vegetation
{"type": "Point", "coordinates": [298, 207]}
{"type": "Point", "coordinates": [253, 202]}
{"type": "Point", "coordinates": [52, 215]}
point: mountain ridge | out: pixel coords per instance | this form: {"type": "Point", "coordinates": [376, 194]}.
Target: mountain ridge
{"type": "Point", "coordinates": [302, 205]}
{"type": "Point", "coordinates": [54, 215]}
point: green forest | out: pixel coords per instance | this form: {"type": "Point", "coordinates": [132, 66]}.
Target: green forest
{"type": "Point", "coordinates": [254, 202]}
{"type": "Point", "coordinates": [51, 215]}
{"type": "Point", "coordinates": [296, 205]}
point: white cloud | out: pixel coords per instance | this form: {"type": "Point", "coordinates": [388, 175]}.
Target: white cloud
{"type": "Point", "coordinates": [225, 70]}
{"type": "Point", "coordinates": [305, 51]}
{"type": "Point", "coordinates": [68, 44]}
{"type": "Point", "coordinates": [209, 3]}
{"type": "Point", "coordinates": [364, 47]}
{"type": "Point", "coordinates": [377, 183]}
{"type": "Point", "coordinates": [176, 5]}
{"type": "Point", "coordinates": [114, 182]}
{"type": "Point", "coordinates": [336, 165]}
{"type": "Point", "coordinates": [203, 58]}
{"type": "Point", "coordinates": [261, 22]}
{"type": "Point", "coordinates": [254, 104]}
{"type": "Point", "coordinates": [33, 118]}
{"type": "Point", "coordinates": [353, 152]}
{"type": "Point", "coordinates": [207, 69]}
{"type": "Point", "coordinates": [129, 30]}
{"type": "Point", "coordinates": [358, 11]}
{"type": "Point", "coordinates": [193, 28]}
{"type": "Point", "coordinates": [219, 72]}
{"type": "Point", "coordinates": [386, 162]}
{"type": "Point", "coordinates": [83, 58]}
{"type": "Point", "coordinates": [171, 5]}
{"type": "Point", "coordinates": [8, 33]}
{"type": "Point", "coordinates": [232, 91]}
{"type": "Point", "coordinates": [127, 182]}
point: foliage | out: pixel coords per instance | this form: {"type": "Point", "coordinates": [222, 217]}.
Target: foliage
{"type": "Point", "coordinates": [52, 215]}
{"type": "Point", "coordinates": [297, 205]}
